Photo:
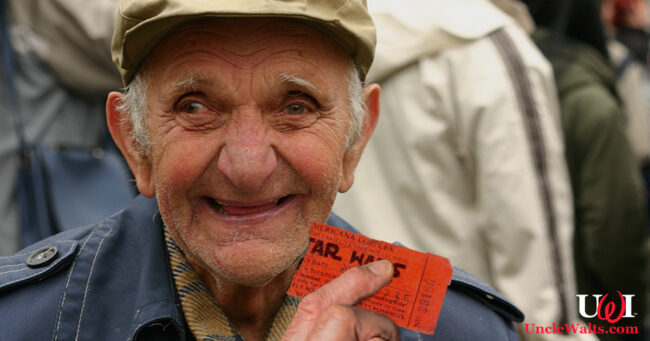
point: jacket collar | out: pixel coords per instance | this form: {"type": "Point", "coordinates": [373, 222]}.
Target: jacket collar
{"type": "Point", "coordinates": [159, 311]}
{"type": "Point", "coordinates": [117, 274]}
{"type": "Point", "coordinates": [137, 245]}
{"type": "Point", "coordinates": [121, 277]}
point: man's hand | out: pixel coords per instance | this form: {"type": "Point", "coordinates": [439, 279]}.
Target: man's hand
{"type": "Point", "coordinates": [329, 313]}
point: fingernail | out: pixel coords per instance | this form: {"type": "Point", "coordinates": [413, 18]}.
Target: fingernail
{"type": "Point", "coordinates": [380, 267]}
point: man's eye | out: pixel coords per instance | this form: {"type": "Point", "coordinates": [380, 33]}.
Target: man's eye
{"type": "Point", "coordinates": [295, 109]}
{"type": "Point", "coordinates": [192, 107]}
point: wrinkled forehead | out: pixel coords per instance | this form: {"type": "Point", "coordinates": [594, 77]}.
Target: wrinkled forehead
{"type": "Point", "coordinates": [253, 39]}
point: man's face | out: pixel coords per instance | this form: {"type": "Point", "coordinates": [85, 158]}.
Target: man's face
{"type": "Point", "coordinates": [248, 121]}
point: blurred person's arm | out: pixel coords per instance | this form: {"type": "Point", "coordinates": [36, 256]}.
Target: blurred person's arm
{"type": "Point", "coordinates": [610, 203]}
{"type": "Point", "coordinates": [510, 127]}
{"type": "Point", "coordinates": [630, 82]}
{"type": "Point", "coordinates": [453, 151]}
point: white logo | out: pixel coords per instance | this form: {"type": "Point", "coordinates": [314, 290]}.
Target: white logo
{"type": "Point", "coordinates": [606, 310]}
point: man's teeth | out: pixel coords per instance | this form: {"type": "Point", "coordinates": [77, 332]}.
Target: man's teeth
{"type": "Point", "coordinates": [218, 205]}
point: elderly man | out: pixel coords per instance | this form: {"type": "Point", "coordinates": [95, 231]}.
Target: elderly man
{"type": "Point", "coordinates": [242, 119]}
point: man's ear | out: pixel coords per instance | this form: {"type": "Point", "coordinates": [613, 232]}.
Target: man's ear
{"type": "Point", "coordinates": [119, 125]}
{"type": "Point", "coordinates": [353, 154]}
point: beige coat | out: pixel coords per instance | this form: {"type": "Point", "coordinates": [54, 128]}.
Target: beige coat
{"type": "Point", "coordinates": [460, 164]}
{"type": "Point", "coordinates": [63, 72]}
{"type": "Point", "coordinates": [74, 39]}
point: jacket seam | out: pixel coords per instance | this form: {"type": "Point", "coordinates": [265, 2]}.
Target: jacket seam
{"type": "Point", "coordinates": [10, 265]}
{"type": "Point", "coordinates": [22, 278]}
{"type": "Point", "coordinates": [15, 255]}
{"type": "Point", "coordinates": [67, 284]}
{"type": "Point", "coordinates": [90, 275]}
{"type": "Point", "coordinates": [10, 271]}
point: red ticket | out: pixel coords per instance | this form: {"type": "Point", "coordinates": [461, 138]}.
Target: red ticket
{"type": "Point", "coordinates": [412, 299]}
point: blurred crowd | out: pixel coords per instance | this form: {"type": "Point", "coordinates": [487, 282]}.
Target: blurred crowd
{"type": "Point", "coordinates": [514, 139]}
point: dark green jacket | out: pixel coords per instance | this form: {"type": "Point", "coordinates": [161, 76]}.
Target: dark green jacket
{"type": "Point", "coordinates": [610, 216]}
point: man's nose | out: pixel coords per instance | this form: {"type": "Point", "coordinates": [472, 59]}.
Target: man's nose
{"type": "Point", "coordinates": [247, 158]}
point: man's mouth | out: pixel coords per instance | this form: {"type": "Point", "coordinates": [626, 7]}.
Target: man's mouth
{"type": "Point", "coordinates": [230, 208]}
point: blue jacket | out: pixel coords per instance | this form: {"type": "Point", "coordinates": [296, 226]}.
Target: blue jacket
{"type": "Point", "coordinates": [112, 281]}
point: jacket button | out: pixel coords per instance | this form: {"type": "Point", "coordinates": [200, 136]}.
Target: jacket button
{"type": "Point", "coordinates": [42, 257]}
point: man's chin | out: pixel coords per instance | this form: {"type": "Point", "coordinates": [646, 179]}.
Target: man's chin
{"type": "Point", "coordinates": [254, 265]}
{"type": "Point", "coordinates": [252, 281]}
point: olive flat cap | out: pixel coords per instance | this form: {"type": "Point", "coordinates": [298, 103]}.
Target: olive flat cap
{"type": "Point", "coordinates": [141, 24]}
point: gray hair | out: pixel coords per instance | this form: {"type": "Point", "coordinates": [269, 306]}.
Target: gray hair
{"type": "Point", "coordinates": [134, 105]}
{"type": "Point", "coordinates": [356, 103]}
